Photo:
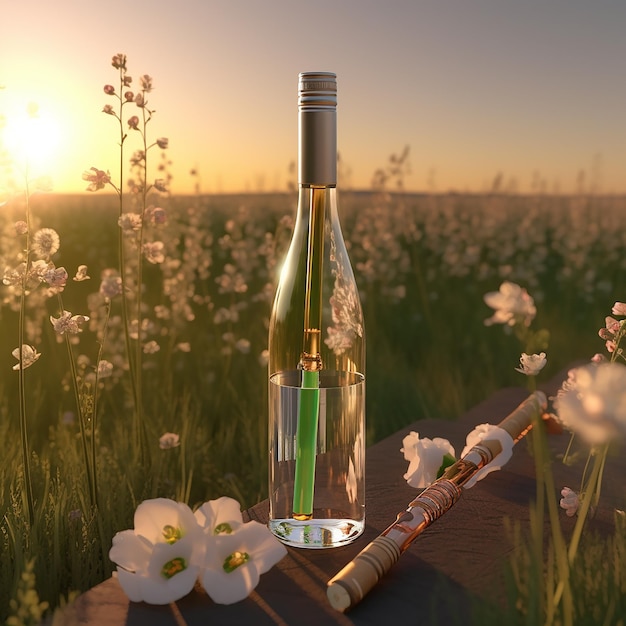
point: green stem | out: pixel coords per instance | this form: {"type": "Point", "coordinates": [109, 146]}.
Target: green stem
{"type": "Point", "coordinates": [593, 483]}
{"type": "Point", "coordinates": [81, 419]}
{"type": "Point", "coordinates": [306, 445]}
{"type": "Point", "coordinates": [28, 485]}
{"type": "Point", "coordinates": [133, 364]}
{"type": "Point", "coordinates": [138, 346]}
{"type": "Point", "coordinates": [546, 491]}
{"type": "Point", "coordinates": [96, 394]}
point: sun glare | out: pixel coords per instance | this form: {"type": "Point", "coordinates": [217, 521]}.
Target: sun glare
{"type": "Point", "coordinates": [31, 138]}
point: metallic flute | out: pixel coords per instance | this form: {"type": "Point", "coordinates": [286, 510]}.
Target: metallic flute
{"type": "Point", "coordinates": [358, 577]}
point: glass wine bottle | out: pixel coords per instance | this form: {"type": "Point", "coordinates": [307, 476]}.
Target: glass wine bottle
{"type": "Point", "coordinates": [317, 351]}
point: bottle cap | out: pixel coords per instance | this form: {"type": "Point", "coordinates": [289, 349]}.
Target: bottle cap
{"type": "Point", "coordinates": [317, 90]}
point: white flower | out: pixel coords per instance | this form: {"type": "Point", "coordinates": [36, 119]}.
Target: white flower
{"type": "Point", "coordinates": [153, 251]}
{"type": "Point", "coordinates": [151, 347]}
{"type": "Point", "coordinates": [243, 345]}
{"type": "Point", "coordinates": [14, 275]}
{"type": "Point", "coordinates": [236, 553]}
{"type": "Point", "coordinates": [531, 364]}
{"type": "Point", "coordinates": [105, 369]}
{"type": "Point", "coordinates": [425, 457]}
{"type": "Point", "coordinates": [489, 432]}
{"type": "Point", "coordinates": [130, 223]}
{"type": "Point", "coordinates": [45, 243]}
{"type": "Point", "coordinates": [619, 308]}
{"type": "Point", "coordinates": [29, 356]}
{"type": "Point", "coordinates": [21, 227]}
{"type": "Point", "coordinates": [219, 516]}
{"type": "Point", "coordinates": [569, 501]}
{"type": "Point", "coordinates": [55, 277]}
{"type": "Point", "coordinates": [592, 402]}
{"type": "Point", "coordinates": [512, 305]}
{"type": "Point", "coordinates": [81, 273]}
{"type": "Point", "coordinates": [68, 323]}
{"type": "Point", "coordinates": [158, 561]}
{"type": "Point", "coordinates": [111, 284]}
{"type": "Point", "coordinates": [168, 441]}
{"type": "Point", "coordinates": [235, 561]}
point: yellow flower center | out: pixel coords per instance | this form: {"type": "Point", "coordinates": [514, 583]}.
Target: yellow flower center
{"type": "Point", "coordinates": [234, 560]}
{"type": "Point", "coordinates": [173, 567]}
{"type": "Point", "coordinates": [223, 529]}
{"type": "Point", "coordinates": [171, 534]}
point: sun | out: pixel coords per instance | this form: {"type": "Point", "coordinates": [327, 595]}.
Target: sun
{"type": "Point", "coordinates": [30, 136]}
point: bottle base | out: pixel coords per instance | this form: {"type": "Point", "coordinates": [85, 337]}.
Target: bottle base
{"type": "Point", "coordinates": [316, 533]}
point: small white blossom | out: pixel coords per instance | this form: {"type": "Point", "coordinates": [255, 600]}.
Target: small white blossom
{"type": "Point", "coordinates": [14, 275]}
{"type": "Point", "coordinates": [151, 347]}
{"type": "Point", "coordinates": [168, 441]}
{"type": "Point", "coordinates": [55, 277]}
{"type": "Point", "coordinates": [592, 402]}
{"type": "Point", "coordinates": [619, 308]}
{"type": "Point", "coordinates": [29, 356]}
{"type": "Point", "coordinates": [111, 284]}
{"type": "Point", "coordinates": [569, 501]}
{"type": "Point", "coordinates": [68, 323]}
{"type": "Point", "coordinates": [425, 457]}
{"type": "Point", "coordinates": [153, 251]}
{"type": "Point", "coordinates": [531, 364]}
{"type": "Point", "coordinates": [160, 185]}
{"type": "Point", "coordinates": [130, 223]}
{"type": "Point", "coordinates": [105, 369]}
{"type": "Point", "coordinates": [45, 243]}
{"type": "Point", "coordinates": [512, 305]}
{"type": "Point", "coordinates": [21, 228]}
{"type": "Point", "coordinates": [81, 273]}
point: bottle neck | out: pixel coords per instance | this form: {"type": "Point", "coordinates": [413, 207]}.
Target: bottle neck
{"type": "Point", "coordinates": [317, 148]}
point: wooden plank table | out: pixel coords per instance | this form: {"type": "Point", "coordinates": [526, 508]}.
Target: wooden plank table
{"type": "Point", "coordinates": [459, 558]}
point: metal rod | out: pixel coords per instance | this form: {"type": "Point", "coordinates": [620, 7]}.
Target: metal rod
{"type": "Point", "coordinates": [358, 577]}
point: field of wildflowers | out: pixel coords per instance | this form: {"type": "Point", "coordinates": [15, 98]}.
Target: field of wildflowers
{"type": "Point", "coordinates": [133, 327]}
{"type": "Point", "coordinates": [422, 263]}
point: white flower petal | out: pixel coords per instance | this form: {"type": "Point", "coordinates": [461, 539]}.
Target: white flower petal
{"type": "Point", "coordinates": [130, 551]}
{"type": "Point", "coordinates": [425, 457]}
{"type": "Point", "coordinates": [230, 587]}
{"type": "Point", "coordinates": [152, 515]}
{"type": "Point", "coordinates": [159, 572]}
{"type": "Point", "coordinates": [220, 511]}
{"type": "Point", "coordinates": [131, 584]}
{"type": "Point", "coordinates": [267, 550]}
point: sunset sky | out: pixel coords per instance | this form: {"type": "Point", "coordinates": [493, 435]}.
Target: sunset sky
{"type": "Point", "coordinates": [534, 90]}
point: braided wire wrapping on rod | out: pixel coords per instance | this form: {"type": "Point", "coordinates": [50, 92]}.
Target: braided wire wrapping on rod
{"type": "Point", "coordinates": [437, 499]}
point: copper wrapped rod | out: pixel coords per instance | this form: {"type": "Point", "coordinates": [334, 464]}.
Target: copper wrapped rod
{"type": "Point", "coordinates": [358, 577]}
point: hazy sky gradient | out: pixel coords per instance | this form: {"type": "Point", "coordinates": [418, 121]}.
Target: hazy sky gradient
{"type": "Point", "coordinates": [529, 89]}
